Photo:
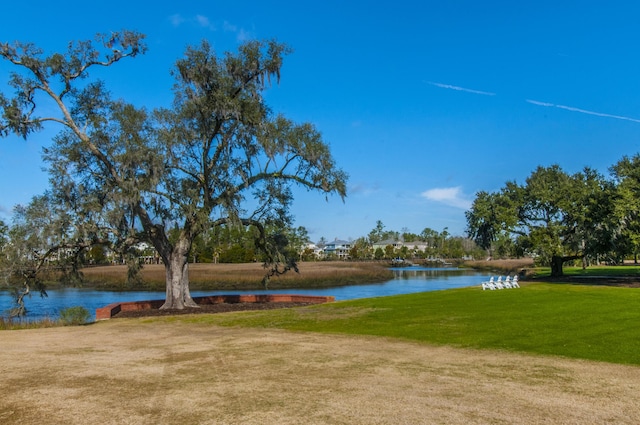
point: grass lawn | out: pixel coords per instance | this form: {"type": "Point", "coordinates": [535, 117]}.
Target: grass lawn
{"type": "Point", "coordinates": [577, 321]}
{"type": "Point", "coordinates": [593, 271]}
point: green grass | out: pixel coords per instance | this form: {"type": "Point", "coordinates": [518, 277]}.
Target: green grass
{"type": "Point", "coordinates": [610, 271]}
{"type": "Point", "coordinates": [585, 322]}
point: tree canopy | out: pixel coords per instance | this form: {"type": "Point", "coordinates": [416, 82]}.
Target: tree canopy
{"type": "Point", "coordinates": [554, 216]}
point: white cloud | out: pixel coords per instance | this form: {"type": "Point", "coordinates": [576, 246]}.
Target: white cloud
{"type": "Point", "coordinates": [582, 111]}
{"type": "Point", "coordinates": [450, 87]}
{"type": "Point", "coordinates": [4, 211]}
{"type": "Point", "coordinates": [198, 20]}
{"type": "Point", "coordinates": [204, 22]}
{"type": "Point", "coordinates": [451, 196]}
{"type": "Point", "coordinates": [229, 27]}
{"type": "Point", "coordinates": [364, 189]}
{"type": "Point", "coordinates": [176, 20]}
{"type": "Point", "coordinates": [241, 33]}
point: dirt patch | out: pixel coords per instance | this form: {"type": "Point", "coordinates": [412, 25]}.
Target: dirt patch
{"type": "Point", "coordinates": [136, 372]}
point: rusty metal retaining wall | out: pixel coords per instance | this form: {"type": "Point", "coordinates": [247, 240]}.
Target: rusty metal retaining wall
{"type": "Point", "coordinates": [111, 310]}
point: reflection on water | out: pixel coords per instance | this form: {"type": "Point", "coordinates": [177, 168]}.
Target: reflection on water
{"type": "Point", "coordinates": [406, 280]}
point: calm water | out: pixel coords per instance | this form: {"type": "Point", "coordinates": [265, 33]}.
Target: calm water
{"type": "Point", "coordinates": [407, 280]}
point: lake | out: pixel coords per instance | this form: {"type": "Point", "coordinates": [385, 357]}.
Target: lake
{"type": "Point", "coordinates": [406, 280]}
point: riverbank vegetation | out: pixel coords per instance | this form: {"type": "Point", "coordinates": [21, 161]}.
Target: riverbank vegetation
{"type": "Point", "coordinates": [519, 266]}
{"type": "Point", "coordinates": [208, 276]}
{"type": "Point", "coordinates": [72, 316]}
{"type": "Point", "coordinates": [17, 323]}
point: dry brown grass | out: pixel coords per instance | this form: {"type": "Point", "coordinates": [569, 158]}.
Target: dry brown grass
{"type": "Point", "coordinates": [137, 372]}
{"type": "Point", "coordinates": [508, 266]}
{"type": "Point", "coordinates": [249, 276]}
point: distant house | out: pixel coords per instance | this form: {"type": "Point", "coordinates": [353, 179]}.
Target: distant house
{"type": "Point", "coordinates": [385, 243]}
{"type": "Point", "coordinates": [338, 249]}
{"type": "Point", "coordinates": [147, 253]}
{"type": "Point", "coordinates": [310, 247]}
{"type": "Point", "coordinates": [397, 245]}
{"type": "Point", "coordinates": [416, 246]}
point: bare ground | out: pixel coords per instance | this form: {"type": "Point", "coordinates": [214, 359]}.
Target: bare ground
{"type": "Point", "coordinates": [136, 372]}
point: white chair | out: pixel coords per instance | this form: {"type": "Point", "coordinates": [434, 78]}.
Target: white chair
{"type": "Point", "coordinates": [487, 284]}
{"type": "Point", "coordinates": [498, 283]}
{"type": "Point", "coordinates": [507, 282]}
{"type": "Point", "coordinates": [514, 282]}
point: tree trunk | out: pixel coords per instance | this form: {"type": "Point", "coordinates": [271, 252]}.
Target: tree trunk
{"type": "Point", "coordinates": [177, 278]}
{"type": "Point", "coordinates": [556, 265]}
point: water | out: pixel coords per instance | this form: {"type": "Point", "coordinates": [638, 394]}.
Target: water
{"type": "Point", "coordinates": [406, 281]}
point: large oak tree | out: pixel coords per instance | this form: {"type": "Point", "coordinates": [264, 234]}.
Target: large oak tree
{"type": "Point", "coordinates": [558, 216]}
{"type": "Point", "coordinates": [218, 156]}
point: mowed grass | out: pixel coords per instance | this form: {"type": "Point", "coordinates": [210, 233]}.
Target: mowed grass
{"type": "Point", "coordinates": [576, 321]}
{"type": "Point", "coordinates": [593, 271]}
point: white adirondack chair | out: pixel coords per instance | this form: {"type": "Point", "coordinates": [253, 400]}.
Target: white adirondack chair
{"type": "Point", "coordinates": [490, 284]}
{"type": "Point", "coordinates": [507, 282]}
{"type": "Point", "coordinates": [514, 282]}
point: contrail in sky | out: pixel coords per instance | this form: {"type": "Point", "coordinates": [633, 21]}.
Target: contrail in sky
{"type": "Point", "coordinates": [582, 111]}
{"type": "Point", "coordinates": [536, 102]}
{"type": "Point", "coordinates": [450, 87]}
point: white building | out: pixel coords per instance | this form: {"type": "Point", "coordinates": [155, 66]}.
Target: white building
{"type": "Point", "coordinates": [338, 249]}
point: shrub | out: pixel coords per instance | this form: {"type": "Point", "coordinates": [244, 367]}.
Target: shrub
{"type": "Point", "coordinates": [74, 316]}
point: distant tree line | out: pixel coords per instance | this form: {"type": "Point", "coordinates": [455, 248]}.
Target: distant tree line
{"type": "Point", "coordinates": [379, 245]}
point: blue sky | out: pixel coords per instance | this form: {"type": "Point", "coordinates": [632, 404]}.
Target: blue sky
{"type": "Point", "coordinates": [423, 103]}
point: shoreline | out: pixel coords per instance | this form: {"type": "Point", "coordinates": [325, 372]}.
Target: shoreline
{"type": "Point", "coordinates": [248, 276]}
{"type": "Point", "coordinates": [245, 276]}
